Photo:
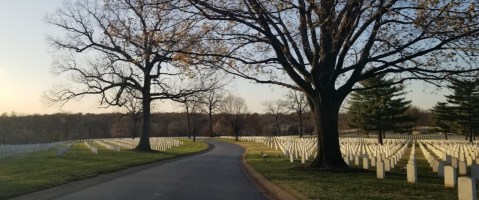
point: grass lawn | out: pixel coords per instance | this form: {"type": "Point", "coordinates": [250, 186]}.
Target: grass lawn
{"type": "Point", "coordinates": [362, 184]}
{"type": "Point", "coordinates": [36, 171]}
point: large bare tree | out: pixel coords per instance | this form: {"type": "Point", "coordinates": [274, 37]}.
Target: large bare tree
{"type": "Point", "coordinates": [325, 47]}
{"type": "Point", "coordinates": [109, 47]}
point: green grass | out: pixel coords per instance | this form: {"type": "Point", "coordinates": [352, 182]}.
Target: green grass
{"type": "Point", "coordinates": [36, 171]}
{"type": "Point", "coordinates": [361, 184]}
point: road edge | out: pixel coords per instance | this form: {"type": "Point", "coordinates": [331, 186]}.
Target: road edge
{"type": "Point", "coordinates": [270, 190]}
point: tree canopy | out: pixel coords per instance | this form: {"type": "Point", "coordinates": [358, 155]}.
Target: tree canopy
{"type": "Point", "coordinates": [325, 48]}
{"type": "Point", "coordinates": [461, 111]}
{"type": "Point", "coordinates": [111, 47]}
{"type": "Point", "coordinates": [380, 109]}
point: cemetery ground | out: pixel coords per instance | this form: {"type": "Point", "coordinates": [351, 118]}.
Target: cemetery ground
{"type": "Point", "coordinates": [36, 171]}
{"type": "Point", "coordinates": [305, 183]}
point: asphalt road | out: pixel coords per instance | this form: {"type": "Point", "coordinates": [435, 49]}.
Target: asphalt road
{"type": "Point", "coordinates": [216, 174]}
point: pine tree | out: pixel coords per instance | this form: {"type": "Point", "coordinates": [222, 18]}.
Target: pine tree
{"type": "Point", "coordinates": [443, 117]}
{"type": "Point", "coordinates": [465, 105]}
{"type": "Point", "coordinates": [379, 106]}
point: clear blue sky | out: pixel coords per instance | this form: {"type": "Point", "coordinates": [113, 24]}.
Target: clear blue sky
{"type": "Point", "coordinates": [25, 72]}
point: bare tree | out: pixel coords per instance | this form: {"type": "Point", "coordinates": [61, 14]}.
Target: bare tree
{"type": "Point", "coordinates": [212, 101]}
{"type": "Point", "coordinates": [297, 103]}
{"type": "Point", "coordinates": [133, 105]}
{"type": "Point", "coordinates": [110, 47]}
{"type": "Point", "coordinates": [192, 104]}
{"type": "Point", "coordinates": [275, 108]}
{"type": "Point", "coordinates": [234, 110]}
{"type": "Point", "coordinates": [326, 47]}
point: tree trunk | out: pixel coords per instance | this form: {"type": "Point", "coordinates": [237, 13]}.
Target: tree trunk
{"type": "Point", "coordinates": [278, 131]}
{"type": "Point", "coordinates": [445, 134]}
{"type": "Point", "coordinates": [326, 119]}
{"type": "Point", "coordinates": [210, 115]}
{"type": "Point", "coordinates": [380, 137]}
{"type": "Point", "coordinates": [300, 125]}
{"type": "Point", "coordinates": [134, 127]}
{"type": "Point", "coordinates": [144, 144]}
{"type": "Point", "coordinates": [470, 135]}
{"type": "Point", "coordinates": [194, 128]}
{"type": "Point", "coordinates": [236, 135]}
{"type": "Point", "coordinates": [188, 122]}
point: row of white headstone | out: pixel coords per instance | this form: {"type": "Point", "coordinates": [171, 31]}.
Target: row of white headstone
{"type": "Point", "coordinates": [445, 157]}
{"type": "Point", "coordinates": [292, 147]}
{"type": "Point", "coordinates": [8, 150]}
{"type": "Point", "coordinates": [157, 143]}
{"type": "Point", "coordinates": [445, 162]}
{"type": "Point", "coordinates": [366, 153]}
{"type": "Point", "coordinates": [115, 144]}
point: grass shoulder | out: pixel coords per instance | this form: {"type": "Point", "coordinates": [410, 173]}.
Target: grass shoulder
{"type": "Point", "coordinates": [37, 171]}
{"type": "Point", "coordinates": [359, 184]}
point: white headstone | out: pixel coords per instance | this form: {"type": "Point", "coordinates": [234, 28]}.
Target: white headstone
{"type": "Point", "coordinates": [440, 168]}
{"type": "Point", "coordinates": [454, 162]}
{"type": "Point", "coordinates": [450, 176]}
{"type": "Point", "coordinates": [466, 188]}
{"type": "Point", "coordinates": [411, 173]}
{"type": "Point", "coordinates": [365, 163]}
{"type": "Point", "coordinates": [356, 160]}
{"type": "Point", "coordinates": [387, 165]}
{"type": "Point", "coordinates": [380, 173]}
{"type": "Point", "coordinates": [462, 168]}
{"type": "Point", "coordinates": [434, 165]}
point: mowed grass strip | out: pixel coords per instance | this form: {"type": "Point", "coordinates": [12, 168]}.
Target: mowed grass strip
{"type": "Point", "coordinates": [360, 184]}
{"type": "Point", "coordinates": [36, 171]}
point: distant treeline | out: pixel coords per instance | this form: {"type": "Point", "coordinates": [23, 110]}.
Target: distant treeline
{"type": "Point", "coordinates": [62, 126]}
{"type": "Point", "coordinates": [16, 129]}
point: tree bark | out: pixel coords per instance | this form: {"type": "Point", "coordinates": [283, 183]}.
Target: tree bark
{"type": "Point", "coordinates": [326, 119]}
{"type": "Point", "coordinates": [144, 144]}
{"type": "Point", "coordinates": [134, 127]}
{"type": "Point", "coordinates": [470, 135]}
{"type": "Point", "coordinates": [380, 137]}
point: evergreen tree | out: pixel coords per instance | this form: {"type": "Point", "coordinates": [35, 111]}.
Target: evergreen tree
{"type": "Point", "coordinates": [443, 117]}
{"type": "Point", "coordinates": [464, 103]}
{"type": "Point", "coordinates": [379, 106]}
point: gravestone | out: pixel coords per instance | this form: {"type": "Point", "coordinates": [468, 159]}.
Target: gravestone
{"type": "Point", "coordinates": [434, 165]}
{"type": "Point", "coordinates": [450, 177]}
{"type": "Point", "coordinates": [380, 173]}
{"type": "Point", "coordinates": [440, 168]}
{"type": "Point", "coordinates": [466, 188]}
{"type": "Point", "coordinates": [365, 163]}
{"type": "Point", "coordinates": [411, 173]}
{"type": "Point", "coordinates": [387, 165]}
{"type": "Point", "coordinates": [462, 168]}
{"type": "Point", "coordinates": [454, 162]}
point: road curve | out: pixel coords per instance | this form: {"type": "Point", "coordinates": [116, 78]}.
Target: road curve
{"type": "Point", "coordinates": [216, 174]}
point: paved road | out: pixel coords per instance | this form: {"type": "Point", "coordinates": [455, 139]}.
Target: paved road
{"type": "Point", "coordinates": [216, 174]}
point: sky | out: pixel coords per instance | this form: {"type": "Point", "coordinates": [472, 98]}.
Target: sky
{"type": "Point", "coordinates": [25, 68]}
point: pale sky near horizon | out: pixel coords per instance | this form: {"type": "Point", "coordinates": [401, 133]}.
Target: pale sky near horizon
{"type": "Point", "coordinates": [25, 68]}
